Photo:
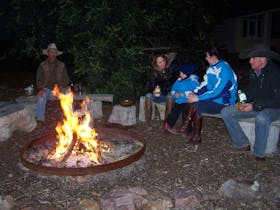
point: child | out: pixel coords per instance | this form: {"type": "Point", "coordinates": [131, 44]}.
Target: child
{"type": "Point", "coordinates": [185, 84]}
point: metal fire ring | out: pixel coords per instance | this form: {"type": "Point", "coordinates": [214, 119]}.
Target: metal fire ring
{"type": "Point", "coordinates": [87, 170]}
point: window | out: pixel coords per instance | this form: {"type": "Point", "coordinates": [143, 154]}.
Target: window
{"type": "Point", "coordinates": [253, 26]}
{"type": "Point", "coordinates": [275, 29]}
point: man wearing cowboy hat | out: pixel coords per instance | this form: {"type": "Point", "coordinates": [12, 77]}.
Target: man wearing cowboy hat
{"type": "Point", "coordinates": [263, 101]}
{"type": "Point", "coordinates": [50, 72]}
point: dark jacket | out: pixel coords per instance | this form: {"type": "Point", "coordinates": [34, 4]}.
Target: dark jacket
{"type": "Point", "coordinates": [47, 76]}
{"type": "Point", "coordinates": [164, 80]}
{"type": "Point", "coordinates": [264, 90]}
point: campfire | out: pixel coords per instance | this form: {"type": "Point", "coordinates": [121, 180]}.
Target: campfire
{"type": "Point", "coordinates": [77, 148]}
{"type": "Point", "coordinates": [75, 134]}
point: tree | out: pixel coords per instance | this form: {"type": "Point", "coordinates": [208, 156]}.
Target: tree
{"type": "Point", "coordinates": [108, 40]}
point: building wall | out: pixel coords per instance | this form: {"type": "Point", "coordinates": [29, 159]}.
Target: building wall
{"type": "Point", "coordinates": [230, 33]}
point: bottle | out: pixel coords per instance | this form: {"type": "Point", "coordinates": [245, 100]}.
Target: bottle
{"type": "Point", "coordinates": [241, 96]}
{"type": "Point", "coordinates": [157, 91]}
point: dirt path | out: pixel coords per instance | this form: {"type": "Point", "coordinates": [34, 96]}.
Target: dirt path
{"type": "Point", "coordinates": [169, 163]}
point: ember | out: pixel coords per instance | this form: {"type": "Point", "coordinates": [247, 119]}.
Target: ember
{"type": "Point", "coordinates": [122, 147]}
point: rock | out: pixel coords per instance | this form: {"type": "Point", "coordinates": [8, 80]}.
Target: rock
{"type": "Point", "coordinates": [6, 202]}
{"type": "Point", "coordinates": [157, 201]}
{"type": "Point", "coordinates": [239, 189]}
{"type": "Point", "coordinates": [14, 116]}
{"type": "Point", "coordinates": [118, 199]}
{"type": "Point", "coordinates": [150, 200]}
{"type": "Point", "coordinates": [186, 198]}
{"type": "Point", "coordinates": [89, 204]}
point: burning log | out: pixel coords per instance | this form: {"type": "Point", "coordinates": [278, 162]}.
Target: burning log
{"type": "Point", "coordinates": [63, 155]}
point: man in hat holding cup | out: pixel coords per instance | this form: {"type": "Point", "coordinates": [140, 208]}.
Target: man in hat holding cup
{"type": "Point", "coordinates": [263, 101]}
{"type": "Point", "coordinates": [50, 72]}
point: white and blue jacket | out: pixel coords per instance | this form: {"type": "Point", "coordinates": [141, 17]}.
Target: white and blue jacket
{"type": "Point", "coordinates": [219, 85]}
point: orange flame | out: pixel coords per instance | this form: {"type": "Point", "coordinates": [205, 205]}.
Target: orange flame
{"type": "Point", "coordinates": [74, 126]}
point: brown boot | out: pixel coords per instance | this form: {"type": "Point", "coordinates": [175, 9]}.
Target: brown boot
{"type": "Point", "coordinates": [148, 111]}
{"type": "Point", "coordinates": [189, 116]}
{"type": "Point", "coordinates": [196, 138]}
{"type": "Point", "coordinates": [168, 107]}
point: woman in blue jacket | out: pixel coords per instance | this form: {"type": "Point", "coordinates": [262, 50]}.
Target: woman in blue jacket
{"type": "Point", "coordinates": [216, 91]}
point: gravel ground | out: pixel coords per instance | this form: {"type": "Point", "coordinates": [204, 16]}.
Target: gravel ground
{"type": "Point", "coordinates": [168, 163]}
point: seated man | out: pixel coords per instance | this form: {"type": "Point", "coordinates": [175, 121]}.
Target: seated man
{"type": "Point", "coordinates": [263, 101]}
{"type": "Point", "coordinates": [50, 72]}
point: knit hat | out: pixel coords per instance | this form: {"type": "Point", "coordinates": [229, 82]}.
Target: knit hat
{"type": "Point", "coordinates": [188, 69]}
{"type": "Point", "coordinates": [52, 46]}
{"type": "Point", "coordinates": [259, 50]}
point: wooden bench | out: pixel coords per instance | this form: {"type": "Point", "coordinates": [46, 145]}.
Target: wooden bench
{"type": "Point", "coordinates": [248, 126]}
{"type": "Point", "coordinates": [94, 106]}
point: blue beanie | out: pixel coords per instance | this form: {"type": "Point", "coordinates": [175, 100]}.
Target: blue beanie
{"type": "Point", "coordinates": [188, 69]}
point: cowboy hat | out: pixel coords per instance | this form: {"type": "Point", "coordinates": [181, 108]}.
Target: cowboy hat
{"type": "Point", "coordinates": [52, 46]}
{"type": "Point", "coordinates": [259, 50]}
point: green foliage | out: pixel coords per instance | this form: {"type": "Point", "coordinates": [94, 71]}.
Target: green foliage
{"type": "Point", "coordinates": [108, 39]}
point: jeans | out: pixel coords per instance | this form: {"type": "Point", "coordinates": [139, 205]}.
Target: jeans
{"type": "Point", "coordinates": [208, 107]}
{"type": "Point", "coordinates": [160, 99]}
{"type": "Point", "coordinates": [41, 103]}
{"type": "Point", "coordinates": [263, 120]}
{"type": "Point", "coordinates": [176, 111]}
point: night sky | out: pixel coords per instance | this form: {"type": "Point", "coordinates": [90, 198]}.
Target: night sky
{"type": "Point", "coordinates": [243, 7]}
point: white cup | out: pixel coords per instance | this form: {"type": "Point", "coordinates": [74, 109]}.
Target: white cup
{"type": "Point", "coordinates": [29, 90]}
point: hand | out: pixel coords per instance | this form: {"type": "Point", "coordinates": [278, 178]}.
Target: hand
{"type": "Point", "coordinates": [192, 98]}
{"type": "Point", "coordinates": [177, 95]}
{"type": "Point", "coordinates": [41, 93]}
{"type": "Point", "coordinates": [244, 107]}
{"type": "Point", "coordinates": [157, 91]}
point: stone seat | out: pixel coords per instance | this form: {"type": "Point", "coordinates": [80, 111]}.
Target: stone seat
{"type": "Point", "coordinates": [94, 106]}
{"type": "Point", "coordinates": [160, 107]}
{"type": "Point", "coordinates": [248, 126]}
{"type": "Point", "coordinates": [14, 116]}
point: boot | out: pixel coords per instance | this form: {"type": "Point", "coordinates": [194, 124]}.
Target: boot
{"type": "Point", "coordinates": [148, 111]}
{"type": "Point", "coordinates": [189, 116]}
{"type": "Point", "coordinates": [196, 138]}
{"type": "Point", "coordinates": [168, 107]}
